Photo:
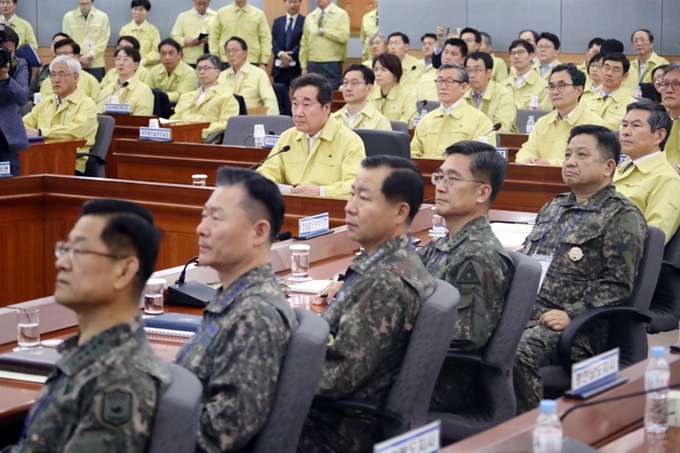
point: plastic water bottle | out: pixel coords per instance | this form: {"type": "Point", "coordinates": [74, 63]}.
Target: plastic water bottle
{"type": "Point", "coordinates": [417, 119]}
{"type": "Point", "coordinates": [638, 92]}
{"type": "Point", "coordinates": [548, 430]}
{"type": "Point", "coordinates": [259, 135]}
{"type": "Point", "coordinates": [533, 103]}
{"type": "Point", "coordinates": [530, 125]}
{"type": "Point", "coordinates": [656, 408]}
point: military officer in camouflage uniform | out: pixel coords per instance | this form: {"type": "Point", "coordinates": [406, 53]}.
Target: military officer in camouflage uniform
{"type": "Point", "coordinates": [102, 395]}
{"type": "Point", "coordinates": [471, 258]}
{"type": "Point", "coordinates": [372, 316]}
{"type": "Point", "coordinates": [590, 241]}
{"type": "Point", "coordinates": [239, 346]}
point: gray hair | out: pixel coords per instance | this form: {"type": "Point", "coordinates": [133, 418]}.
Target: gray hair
{"type": "Point", "coordinates": [658, 116]}
{"type": "Point", "coordinates": [675, 66]}
{"type": "Point", "coordinates": [377, 35]}
{"type": "Point", "coordinates": [486, 37]}
{"type": "Point", "coordinates": [462, 72]}
{"type": "Point", "coordinates": [72, 63]}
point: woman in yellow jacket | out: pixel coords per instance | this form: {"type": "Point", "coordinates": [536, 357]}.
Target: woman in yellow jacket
{"type": "Point", "coordinates": [127, 88]}
{"type": "Point", "coordinates": [395, 102]}
{"type": "Point", "coordinates": [147, 34]}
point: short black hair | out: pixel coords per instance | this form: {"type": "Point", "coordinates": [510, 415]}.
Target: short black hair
{"type": "Point", "coordinates": [129, 230]}
{"type": "Point", "coordinates": [457, 42]}
{"type": "Point", "coordinates": [485, 57]}
{"type": "Point", "coordinates": [597, 57]}
{"type": "Point", "coordinates": [324, 93]}
{"type": "Point", "coordinates": [369, 76]}
{"type": "Point", "coordinates": [263, 196]}
{"type": "Point", "coordinates": [130, 52]}
{"type": "Point", "coordinates": [131, 39]}
{"type": "Point", "coordinates": [214, 60]}
{"type": "Point", "coordinates": [405, 183]}
{"type": "Point", "coordinates": [244, 45]}
{"type": "Point", "coordinates": [486, 163]}
{"type": "Point", "coordinates": [170, 42]}
{"type": "Point", "coordinates": [390, 62]}
{"type": "Point", "coordinates": [658, 117]}
{"type": "Point", "coordinates": [530, 31]}
{"type": "Point", "coordinates": [478, 35]}
{"type": "Point", "coordinates": [607, 142]}
{"type": "Point", "coordinates": [67, 42]}
{"type": "Point", "coordinates": [61, 33]}
{"type": "Point", "coordinates": [550, 37]}
{"type": "Point", "coordinates": [403, 36]}
{"type": "Point", "coordinates": [621, 58]}
{"type": "Point", "coordinates": [578, 78]}
{"type": "Point", "coordinates": [611, 46]}
{"type": "Point", "coordinates": [595, 42]}
{"type": "Point", "coordinates": [11, 36]}
{"type": "Point", "coordinates": [522, 43]}
{"type": "Point", "coordinates": [428, 35]}
{"type": "Point", "coordinates": [649, 34]}
{"type": "Point", "coordinates": [143, 3]}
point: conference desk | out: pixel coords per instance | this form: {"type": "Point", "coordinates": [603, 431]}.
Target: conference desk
{"type": "Point", "coordinates": [127, 126]}
{"type": "Point", "coordinates": [36, 211]}
{"type": "Point", "coordinates": [513, 142]}
{"type": "Point", "coordinates": [55, 156]}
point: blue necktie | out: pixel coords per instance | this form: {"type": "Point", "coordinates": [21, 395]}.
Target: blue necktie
{"type": "Point", "coordinates": [289, 34]}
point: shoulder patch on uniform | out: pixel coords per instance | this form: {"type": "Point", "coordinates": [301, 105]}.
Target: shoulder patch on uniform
{"type": "Point", "coordinates": [469, 276]}
{"type": "Point", "coordinates": [115, 408]}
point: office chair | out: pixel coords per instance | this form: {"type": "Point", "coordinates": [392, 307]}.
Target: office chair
{"type": "Point", "coordinates": [96, 158]}
{"type": "Point", "coordinates": [385, 142]}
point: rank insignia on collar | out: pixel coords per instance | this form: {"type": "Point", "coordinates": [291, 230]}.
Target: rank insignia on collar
{"type": "Point", "coordinates": [575, 254]}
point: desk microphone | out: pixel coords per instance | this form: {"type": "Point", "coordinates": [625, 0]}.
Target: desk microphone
{"type": "Point", "coordinates": [495, 128]}
{"type": "Point", "coordinates": [419, 106]}
{"type": "Point", "coordinates": [126, 83]}
{"type": "Point", "coordinates": [245, 142]}
{"type": "Point", "coordinates": [190, 294]}
{"type": "Point", "coordinates": [284, 236]}
{"type": "Point", "coordinates": [285, 149]}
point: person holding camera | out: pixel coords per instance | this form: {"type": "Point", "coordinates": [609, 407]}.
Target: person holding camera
{"type": "Point", "coordinates": [13, 93]}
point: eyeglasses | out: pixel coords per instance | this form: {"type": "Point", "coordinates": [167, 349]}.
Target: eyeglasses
{"type": "Point", "coordinates": [450, 180]}
{"type": "Point", "coordinates": [60, 75]}
{"type": "Point", "coordinates": [518, 53]}
{"type": "Point", "coordinates": [125, 59]}
{"type": "Point", "coordinates": [640, 40]}
{"type": "Point", "coordinates": [353, 83]}
{"type": "Point", "coordinates": [545, 46]}
{"type": "Point", "coordinates": [232, 51]}
{"type": "Point", "coordinates": [559, 87]}
{"type": "Point", "coordinates": [204, 68]}
{"type": "Point", "coordinates": [665, 85]}
{"type": "Point", "coordinates": [447, 82]}
{"type": "Point", "coordinates": [62, 248]}
{"type": "Point", "coordinates": [475, 70]}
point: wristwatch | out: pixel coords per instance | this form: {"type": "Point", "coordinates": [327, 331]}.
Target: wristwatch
{"type": "Point", "coordinates": [89, 57]}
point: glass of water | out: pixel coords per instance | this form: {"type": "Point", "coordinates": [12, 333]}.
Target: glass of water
{"type": "Point", "coordinates": [299, 262]}
{"type": "Point", "coordinates": [28, 328]}
{"type": "Point", "coordinates": [153, 296]}
{"type": "Point", "coordinates": [438, 229]}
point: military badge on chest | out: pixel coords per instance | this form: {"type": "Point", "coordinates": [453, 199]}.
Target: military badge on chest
{"type": "Point", "coordinates": [575, 254]}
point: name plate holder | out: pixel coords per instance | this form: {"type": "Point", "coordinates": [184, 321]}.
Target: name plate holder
{"type": "Point", "coordinates": [270, 141]}
{"type": "Point", "coordinates": [595, 375]}
{"type": "Point", "coordinates": [503, 152]}
{"type": "Point", "coordinates": [155, 134]}
{"type": "Point", "coordinates": [421, 440]}
{"type": "Point", "coordinates": [5, 171]}
{"type": "Point", "coordinates": [315, 226]}
{"type": "Point", "coordinates": [117, 108]}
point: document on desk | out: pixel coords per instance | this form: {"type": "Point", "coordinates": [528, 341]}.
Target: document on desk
{"type": "Point", "coordinates": [285, 188]}
{"type": "Point", "coordinates": [511, 235]}
{"type": "Point", "coordinates": [30, 365]}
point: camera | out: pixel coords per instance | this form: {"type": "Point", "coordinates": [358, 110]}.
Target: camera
{"type": "Point", "coordinates": [5, 55]}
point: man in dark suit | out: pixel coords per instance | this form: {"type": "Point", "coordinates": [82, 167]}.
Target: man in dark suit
{"type": "Point", "coordinates": [286, 36]}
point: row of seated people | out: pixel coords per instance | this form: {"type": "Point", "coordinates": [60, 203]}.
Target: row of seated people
{"type": "Point", "coordinates": [104, 391]}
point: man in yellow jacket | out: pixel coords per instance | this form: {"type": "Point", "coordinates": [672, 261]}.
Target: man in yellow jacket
{"type": "Point", "coordinates": [248, 23]}
{"type": "Point", "coordinates": [455, 51]}
{"type": "Point", "coordinates": [524, 83]}
{"type": "Point", "coordinates": [547, 47]}
{"type": "Point", "coordinates": [324, 156]}
{"type": "Point", "coordinates": [174, 77]}
{"type": "Point", "coordinates": [369, 27]}
{"type": "Point", "coordinates": [500, 67]}
{"type": "Point", "coordinates": [191, 30]}
{"type": "Point", "coordinates": [357, 84]}
{"type": "Point", "coordinates": [646, 177]}
{"type": "Point", "coordinates": [67, 115]}
{"type": "Point", "coordinates": [454, 121]}
{"type": "Point", "coordinates": [324, 42]}
{"type": "Point", "coordinates": [670, 96]}
{"type": "Point", "coordinates": [486, 95]}
{"type": "Point", "coordinates": [90, 28]}
{"type": "Point", "coordinates": [550, 136]}
{"type": "Point", "coordinates": [87, 83]}
{"type": "Point", "coordinates": [647, 59]}
{"type": "Point", "coordinates": [411, 68]}
{"type": "Point", "coordinates": [22, 28]}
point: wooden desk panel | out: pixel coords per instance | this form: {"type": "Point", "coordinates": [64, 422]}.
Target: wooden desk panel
{"type": "Point", "coordinates": [513, 142]}
{"type": "Point", "coordinates": [54, 156]}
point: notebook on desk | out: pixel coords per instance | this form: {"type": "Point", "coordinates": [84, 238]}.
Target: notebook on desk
{"type": "Point", "coordinates": [172, 324]}
{"type": "Point", "coordinates": [32, 365]}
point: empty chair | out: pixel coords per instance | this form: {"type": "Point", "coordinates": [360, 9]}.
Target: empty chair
{"type": "Point", "coordinates": [385, 142]}
{"type": "Point", "coordinates": [494, 385]}
{"type": "Point", "coordinates": [665, 307]}
{"type": "Point", "coordinates": [239, 131]}
{"type": "Point", "coordinates": [628, 330]}
{"type": "Point", "coordinates": [427, 105]}
{"type": "Point", "coordinates": [96, 158]}
{"type": "Point", "coordinates": [175, 424]}
{"type": "Point", "coordinates": [399, 126]}
{"type": "Point", "coordinates": [523, 116]}
{"type": "Point", "coordinates": [410, 395]}
{"type": "Point", "coordinates": [298, 380]}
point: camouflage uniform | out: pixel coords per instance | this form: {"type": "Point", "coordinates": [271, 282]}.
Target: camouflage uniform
{"type": "Point", "coordinates": [475, 262]}
{"type": "Point", "coordinates": [102, 396]}
{"type": "Point", "coordinates": [594, 265]}
{"type": "Point", "coordinates": [237, 354]}
{"type": "Point", "coordinates": [371, 320]}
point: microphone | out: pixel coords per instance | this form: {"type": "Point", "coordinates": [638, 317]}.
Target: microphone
{"type": "Point", "coordinates": [284, 236]}
{"type": "Point", "coordinates": [182, 276]}
{"type": "Point", "coordinates": [285, 149]}
{"type": "Point", "coordinates": [419, 106]}
{"type": "Point", "coordinates": [190, 294]}
{"type": "Point", "coordinates": [126, 83]}
{"type": "Point", "coordinates": [495, 128]}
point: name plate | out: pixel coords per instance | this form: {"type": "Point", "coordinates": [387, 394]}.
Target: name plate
{"type": "Point", "coordinates": [155, 134]}
{"type": "Point", "coordinates": [117, 108]}
{"type": "Point", "coordinates": [421, 440]}
{"type": "Point", "coordinates": [310, 226]}
{"type": "Point", "coordinates": [4, 170]}
{"type": "Point", "coordinates": [622, 159]}
{"type": "Point", "coordinates": [270, 141]}
{"type": "Point", "coordinates": [416, 120]}
{"type": "Point", "coordinates": [595, 371]}
{"type": "Point", "coordinates": [503, 152]}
